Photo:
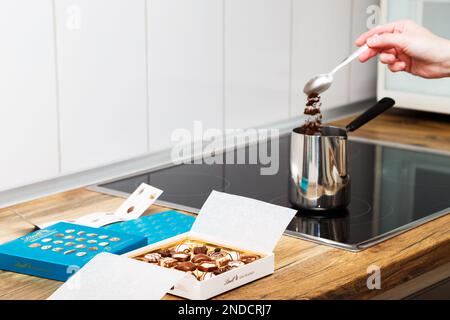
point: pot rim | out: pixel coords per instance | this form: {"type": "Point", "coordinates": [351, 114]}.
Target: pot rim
{"type": "Point", "coordinates": [340, 133]}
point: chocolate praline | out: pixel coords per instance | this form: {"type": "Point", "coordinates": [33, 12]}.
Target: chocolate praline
{"type": "Point", "coordinates": [153, 257]}
{"type": "Point", "coordinates": [186, 266]}
{"type": "Point", "coordinates": [181, 256]}
{"type": "Point", "coordinates": [206, 276]}
{"type": "Point", "coordinates": [248, 258]}
{"type": "Point", "coordinates": [141, 259]}
{"type": "Point", "coordinates": [216, 255]}
{"type": "Point", "coordinates": [198, 258]}
{"type": "Point", "coordinates": [182, 248]}
{"type": "Point", "coordinates": [207, 266]}
{"type": "Point", "coordinates": [168, 262]}
{"type": "Point", "coordinates": [233, 255]}
{"type": "Point", "coordinates": [163, 252]}
{"type": "Point", "coordinates": [221, 262]}
{"type": "Point", "coordinates": [201, 249]}
{"type": "Point", "coordinates": [221, 270]}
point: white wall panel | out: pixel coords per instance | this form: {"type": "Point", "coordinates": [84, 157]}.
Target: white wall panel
{"type": "Point", "coordinates": [28, 113]}
{"type": "Point", "coordinates": [185, 50]}
{"type": "Point", "coordinates": [257, 50]}
{"type": "Point", "coordinates": [102, 80]}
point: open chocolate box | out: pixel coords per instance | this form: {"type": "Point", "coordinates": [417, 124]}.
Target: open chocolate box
{"type": "Point", "coordinates": [230, 244]}
{"type": "Point", "coordinates": [236, 234]}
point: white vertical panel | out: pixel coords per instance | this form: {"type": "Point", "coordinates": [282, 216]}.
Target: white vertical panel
{"type": "Point", "coordinates": [28, 113]}
{"type": "Point", "coordinates": [257, 34]}
{"type": "Point", "coordinates": [102, 80]}
{"type": "Point", "coordinates": [185, 66]}
{"type": "Point", "coordinates": [321, 37]}
{"type": "Point", "coordinates": [363, 76]}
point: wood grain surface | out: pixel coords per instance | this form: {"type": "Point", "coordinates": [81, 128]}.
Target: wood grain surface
{"type": "Point", "coordinates": [304, 270]}
{"type": "Point", "coordinates": [415, 128]}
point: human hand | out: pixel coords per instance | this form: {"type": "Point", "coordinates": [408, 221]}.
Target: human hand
{"type": "Point", "coordinates": [407, 46]}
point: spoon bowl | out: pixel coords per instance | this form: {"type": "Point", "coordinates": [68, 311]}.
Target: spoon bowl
{"type": "Point", "coordinates": [322, 82]}
{"type": "Point", "coordinates": [318, 84]}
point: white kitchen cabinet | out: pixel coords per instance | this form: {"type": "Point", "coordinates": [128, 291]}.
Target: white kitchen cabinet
{"type": "Point", "coordinates": [321, 40]}
{"type": "Point", "coordinates": [28, 113]}
{"type": "Point", "coordinates": [363, 76]}
{"type": "Point", "coordinates": [101, 58]}
{"type": "Point", "coordinates": [185, 67]}
{"type": "Point", "coordinates": [257, 51]}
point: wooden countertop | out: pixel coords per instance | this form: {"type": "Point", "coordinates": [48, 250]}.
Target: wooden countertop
{"type": "Point", "coordinates": [304, 270]}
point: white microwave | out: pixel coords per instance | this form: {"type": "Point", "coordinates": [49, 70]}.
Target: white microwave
{"type": "Point", "coordinates": [409, 91]}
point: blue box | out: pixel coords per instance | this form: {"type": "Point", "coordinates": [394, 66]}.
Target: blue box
{"type": "Point", "coordinates": [58, 251]}
{"type": "Point", "coordinates": [155, 227]}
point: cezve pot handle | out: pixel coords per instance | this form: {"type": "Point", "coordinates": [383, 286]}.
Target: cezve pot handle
{"type": "Point", "coordinates": [374, 111]}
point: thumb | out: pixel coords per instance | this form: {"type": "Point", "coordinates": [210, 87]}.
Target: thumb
{"type": "Point", "coordinates": [387, 40]}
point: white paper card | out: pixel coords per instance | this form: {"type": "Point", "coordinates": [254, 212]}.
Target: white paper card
{"type": "Point", "coordinates": [139, 201]}
{"type": "Point", "coordinates": [112, 277]}
{"type": "Point", "coordinates": [242, 221]}
{"type": "Point", "coordinates": [132, 208]}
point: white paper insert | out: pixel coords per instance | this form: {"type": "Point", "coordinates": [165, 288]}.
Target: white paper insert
{"type": "Point", "coordinates": [112, 277]}
{"type": "Point", "coordinates": [243, 222]}
{"type": "Point", "coordinates": [132, 208]}
{"type": "Point", "coordinates": [139, 201]}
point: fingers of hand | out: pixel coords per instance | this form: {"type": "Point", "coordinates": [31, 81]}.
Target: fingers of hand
{"type": "Point", "coordinates": [397, 66]}
{"type": "Point", "coordinates": [368, 54]}
{"type": "Point", "coordinates": [388, 58]}
{"type": "Point", "coordinates": [387, 41]}
{"type": "Point", "coordinates": [386, 28]}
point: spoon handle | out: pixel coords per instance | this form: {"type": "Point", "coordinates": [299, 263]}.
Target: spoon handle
{"type": "Point", "coordinates": [350, 58]}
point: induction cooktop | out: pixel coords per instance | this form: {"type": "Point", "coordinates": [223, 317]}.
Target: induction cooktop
{"type": "Point", "coordinates": [394, 188]}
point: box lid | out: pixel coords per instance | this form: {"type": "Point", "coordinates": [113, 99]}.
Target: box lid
{"type": "Point", "coordinates": [243, 222]}
{"type": "Point", "coordinates": [113, 277]}
{"type": "Point", "coordinates": [69, 244]}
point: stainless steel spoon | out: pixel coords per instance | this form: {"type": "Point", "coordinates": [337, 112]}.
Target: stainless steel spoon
{"type": "Point", "coordinates": [322, 82]}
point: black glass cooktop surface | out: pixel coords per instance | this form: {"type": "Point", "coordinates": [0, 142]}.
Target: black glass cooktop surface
{"type": "Point", "coordinates": [394, 188]}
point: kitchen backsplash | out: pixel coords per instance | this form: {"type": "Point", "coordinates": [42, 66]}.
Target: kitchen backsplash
{"type": "Point", "coordinates": [87, 83]}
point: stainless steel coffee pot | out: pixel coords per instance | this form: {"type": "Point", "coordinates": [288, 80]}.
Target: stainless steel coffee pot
{"type": "Point", "coordinates": [319, 177]}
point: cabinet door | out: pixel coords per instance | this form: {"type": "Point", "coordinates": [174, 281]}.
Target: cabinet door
{"type": "Point", "coordinates": [102, 81]}
{"type": "Point", "coordinates": [185, 54]}
{"type": "Point", "coordinates": [257, 34]}
{"type": "Point", "coordinates": [363, 76]}
{"type": "Point", "coordinates": [28, 114]}
{"type": "Point", "coordinates": [321, 40]}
